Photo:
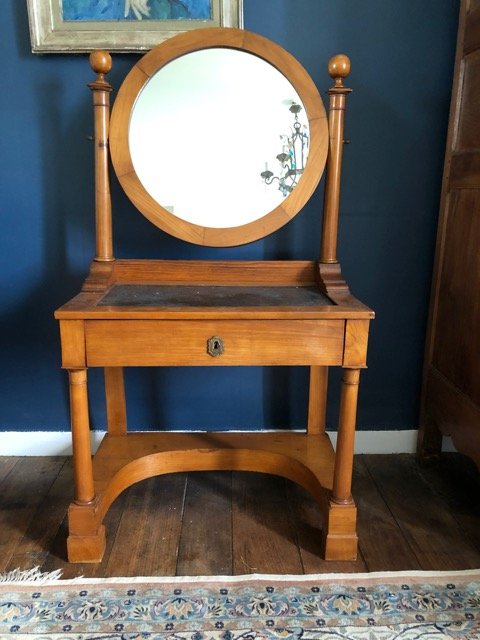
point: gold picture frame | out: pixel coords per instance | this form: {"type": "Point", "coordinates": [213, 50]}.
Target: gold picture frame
{"type": "Point", "coordinates": [49, 33]}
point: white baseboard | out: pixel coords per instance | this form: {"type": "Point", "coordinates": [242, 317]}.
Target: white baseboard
{"type": "Point", "coordinates": [58, 443]}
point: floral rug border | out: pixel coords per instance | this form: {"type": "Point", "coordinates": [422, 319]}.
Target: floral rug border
{"type": "Point", "coordinates": [376, 605]}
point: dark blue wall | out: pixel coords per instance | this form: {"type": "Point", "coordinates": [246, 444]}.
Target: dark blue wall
{"type": "Point", "coordinates": [402, 58]}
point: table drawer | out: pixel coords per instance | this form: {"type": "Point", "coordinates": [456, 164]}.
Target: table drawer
{"type": "Point", "coordinates": [234, 342]}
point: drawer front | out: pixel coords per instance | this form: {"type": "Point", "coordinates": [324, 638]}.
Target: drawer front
{"type": "Point", "coordinates": [232, 342]}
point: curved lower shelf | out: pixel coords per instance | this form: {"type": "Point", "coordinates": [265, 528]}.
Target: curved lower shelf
{"type": "Point", "coordinates": [124, 460]}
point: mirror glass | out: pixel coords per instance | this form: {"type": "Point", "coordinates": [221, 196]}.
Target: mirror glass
{"type": "Point", "coordinates": [204, 129]}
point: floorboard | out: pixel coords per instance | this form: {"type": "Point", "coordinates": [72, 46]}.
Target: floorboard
{"type": "Point", "coordinates": [427, 523]}
{"type": "Point", "coordinates": [146, 539]}
{"type": "Point", "coordinates": [409, 517]}
{"type": "Point", "coordinates": [457, 482]}
{"type": "Point", "coordinates": [22, 491]}
{"type": "Point", "coordinates": [264, 540]}
{"type": "Point", "coordinates": [34, 547]}
{"type": "Point", "coordinates": [205, 545]}
{"type": "Point", "coordinates": [383, 542]}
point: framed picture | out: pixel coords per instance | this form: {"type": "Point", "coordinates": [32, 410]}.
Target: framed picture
{"type": "Point", "coordinates": [75, 26]}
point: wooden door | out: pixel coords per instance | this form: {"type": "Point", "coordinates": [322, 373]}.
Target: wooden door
{"type": "Point", "coordinates": [451, 388]}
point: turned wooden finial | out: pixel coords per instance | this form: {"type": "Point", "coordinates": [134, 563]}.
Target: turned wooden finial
{"type": "Point", "coordinates": [339, 68]}
{"type": "Point", "coordinates": [101, 62]}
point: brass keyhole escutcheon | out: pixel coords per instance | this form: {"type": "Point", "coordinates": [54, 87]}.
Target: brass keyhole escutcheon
{"type": "Point", "coordinates": [215, 346]}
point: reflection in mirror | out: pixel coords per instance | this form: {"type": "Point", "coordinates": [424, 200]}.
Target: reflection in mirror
{"type": "Point", "coordinates": [293, 156]}
{"type": "Point", "coordinates": [207, 126]}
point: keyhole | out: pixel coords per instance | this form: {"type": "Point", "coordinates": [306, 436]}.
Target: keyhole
{"type": "Point", "coordinates": [215, 346]}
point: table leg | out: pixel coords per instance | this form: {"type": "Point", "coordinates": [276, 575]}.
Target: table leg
{"type": "Point", "coordinates": [340, 536]}
{"type": "Point", "coordinates": [115, 400]}
{"type": "Point", "coordinates": [317, 400]}
{"type": "Point", "coordinates": [82, 455]}
{"type": "Point", "coordinates": [86, 540]}
{"type": "Point", "coordinates": [342, 479]}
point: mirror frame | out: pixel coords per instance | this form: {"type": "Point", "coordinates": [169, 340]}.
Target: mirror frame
{"type": "Point", "coordinates": [197, 40]}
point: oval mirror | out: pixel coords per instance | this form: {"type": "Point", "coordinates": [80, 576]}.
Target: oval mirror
{"type": "Point", "coordinates": [218, 137]}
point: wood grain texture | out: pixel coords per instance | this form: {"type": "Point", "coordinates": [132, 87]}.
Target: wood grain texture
{"type": "Point", "coordinates": [72, 334]}
{"type": "Point", "coordinates": [428, 529]}
{"type": "Point", "coordinates": [23, 491]}
{"type": "Point", "coordinates": [7, 463]}
{"type": "Point", "coordinates": [306, 459]}
{"type": "Point", "coordinates": [456, 344]}
{"type": "Point", "coordinates": [279, 342]}
{"type": "Point", "coordinates": [456, 481]}
{"type": "Point", "coordinates": [471, 40]}
{"type": "Point", "coordinates": [340, 540]}
{"type": "Point", "coordinates": [450, 402]}
{"type": "Point", "coordinates": [216, 272]}
{"type": "Point", "coordinates": [317, 400]}
{"type": "Point", "coordinates": [205, 542]}
{"type": "Point", "coordinates": [147, 537]}
{"type": "Point", "coordinates": [87, 305]}
{"type": "Point", "coordinates": [452, 412]}
{"type": "Point", "coordinates": [263, 534]}
{"type": "Point", "coordinates": [383, 542]}
{"type": "Point", "coordinates": [39, 537]}
{"type": "Point", "coordinates": [356, 341]}
{"type": "Point", "coordinates": [115, 401]}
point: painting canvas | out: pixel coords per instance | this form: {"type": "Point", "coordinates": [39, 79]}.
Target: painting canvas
{"type": "Point", "coordinates": [122, 25]}
{"type": "Point", "coordinates": [136, 9]}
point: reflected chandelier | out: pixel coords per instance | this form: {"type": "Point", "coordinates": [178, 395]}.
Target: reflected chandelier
{"type": "Point", "coordinates": [293, 156]}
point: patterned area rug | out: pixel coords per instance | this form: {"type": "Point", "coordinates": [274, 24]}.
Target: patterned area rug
{"type": "Point", "coordinates": [376, 606]}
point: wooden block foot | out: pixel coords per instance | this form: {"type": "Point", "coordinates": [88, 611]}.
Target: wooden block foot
{"type": "Point", "coordinates": [340, 547]}
{"type": "Point", "coordinates": [86, 548]}
{"type": "Point", "coordinates": [340, 536]}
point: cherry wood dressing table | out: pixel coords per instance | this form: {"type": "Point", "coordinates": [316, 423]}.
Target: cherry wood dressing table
{"type": "Point", "coordinates": [214, 313]}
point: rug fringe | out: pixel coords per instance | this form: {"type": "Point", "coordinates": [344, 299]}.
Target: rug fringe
{"type": "Point", "coordinates": [36, 576]}
{"type": "Point", "coordinates": [30, 575]}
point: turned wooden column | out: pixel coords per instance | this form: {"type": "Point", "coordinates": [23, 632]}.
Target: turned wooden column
{"type": "Point", "coordinates": [82, 455]}
{"type": "Point", "coordinates": [338, 68]}
{"type": "Point", "coordinates": [342, 478]}
{"type": "Point", "coordinates": [101, 63]}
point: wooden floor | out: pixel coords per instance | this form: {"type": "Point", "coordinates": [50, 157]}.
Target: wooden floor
{"type": "Point", "coordinates": [236, 523]}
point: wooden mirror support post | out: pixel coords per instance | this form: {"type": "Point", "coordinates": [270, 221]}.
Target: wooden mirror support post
{"type": "Point", "coordinates": [252, 313]}
{"type": "Point", "coordinates": [329, 267]}
{"type": "Point", "coordinates": [101, 63]}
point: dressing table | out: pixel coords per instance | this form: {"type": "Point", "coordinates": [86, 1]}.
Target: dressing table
{"type": "Point", "coordinates": [215, 313]}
